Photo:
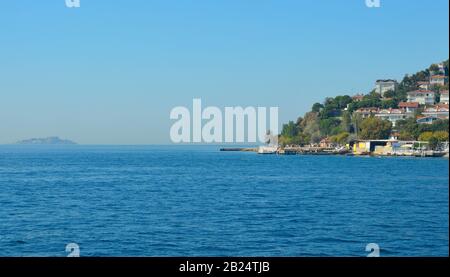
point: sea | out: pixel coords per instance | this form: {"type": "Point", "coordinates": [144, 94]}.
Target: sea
{"type": "Point", "coordinates": [165, 201]}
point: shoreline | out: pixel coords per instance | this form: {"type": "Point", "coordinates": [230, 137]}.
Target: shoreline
{"type": "Point", "coordinates": [333, 152]}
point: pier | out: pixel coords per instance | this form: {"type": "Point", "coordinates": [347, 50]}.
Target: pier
{"type": "Point", "coordinates": [239, 149]}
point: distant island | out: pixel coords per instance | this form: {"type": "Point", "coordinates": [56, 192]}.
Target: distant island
{"type": "Point", "coordinates": [47, 141]}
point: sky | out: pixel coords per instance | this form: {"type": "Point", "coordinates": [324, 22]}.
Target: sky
{"type": "Point", "coordinates": [110, 71]}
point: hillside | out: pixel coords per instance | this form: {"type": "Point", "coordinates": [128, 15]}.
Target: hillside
{"type": "Point", "coordinates": [392, 113]}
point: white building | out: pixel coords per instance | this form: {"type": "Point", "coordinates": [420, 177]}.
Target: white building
{"type": "Point", "coordinates": [440, 80]}
{"type": "Point", "coordinates": [409, 107]}
{"type": "Point", "coordinates": [441, 68]}
{"type": "Point", "coordinates": [427, 120]}
{"type": "Point", "coordinates": [423, 97]}
{"type": "Point", "coordinates": [444, 97]}
{"type": "Point", "coordinates": [393, 115]}
{"type": "Point", "coordinates": [366, 112]}
{"type": "Point", "coordinates": [438, 111]}
{"type": "Point", "coordinates": [383, 86]}
{"type": "Point", "coordinates": [424, 85]}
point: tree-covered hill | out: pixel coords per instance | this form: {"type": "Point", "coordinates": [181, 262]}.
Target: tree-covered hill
{"type": "Point", "coordinates": [336, 119]}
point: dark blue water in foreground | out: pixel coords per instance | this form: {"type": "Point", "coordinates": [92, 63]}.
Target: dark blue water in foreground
{"type": "Point", "coordinates": [196, 201]}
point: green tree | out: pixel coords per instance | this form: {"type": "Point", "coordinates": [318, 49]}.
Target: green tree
{"type": "Point", "coordinates": [434, 68]}
{"type": "Point", "coordinates": [341, 138]}
{"type": "Point", "coordinates": [446, 67]}
{"type": "Point", "coordinates": [408, 129]}
{"type": "Point", "coordinates": [375, 128]}
{"type": "Point", "coordinates": [285, 141]}
{"type": "Point", "coordinates": [425, 136]}
{"type": "Point", "coordinates": [346, 121]}
{"type": "Point", "coordinates": [389, 104]}
{"type": "Point", "coordinates": [405, 135]}
{"type": "Point", "coordinates": [328, 126]}
{"type": "Point", "coordinates": [342, 101]}
{"type": "Point", "coordinates": [441, 136]}
{"type": "Point", "coordinates": [301, 139]}
{"type": "Point", "coordinates": [389, 94]}
{"type": "Point", "coordinates": [356, 123]}
{"type": "Point", "coordinates": [329, 111]}
{"type": "Point", "coordinates": [310, 125]}
{"type": "Point", "coordinates": [289, 130]}
{"type": "Point", "coordinates": [316, 137]}
{"type": "Point", "coordinates": [440, 125]}
{"type": "Point", "coordinates": [317, 107]}
{"type": "Point", "coordinates": [433, 143]}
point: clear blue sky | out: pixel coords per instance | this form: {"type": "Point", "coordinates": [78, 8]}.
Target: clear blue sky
{"type": "Point", "coordinates": [111, 71]}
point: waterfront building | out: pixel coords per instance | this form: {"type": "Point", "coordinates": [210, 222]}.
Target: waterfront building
{"type": "Point", "coordinates": [364, 147]}
{"type": "Point", "coordinates": [388, 147]}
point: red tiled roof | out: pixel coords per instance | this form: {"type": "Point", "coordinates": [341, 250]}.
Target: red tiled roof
{"type": "Point", "coordinates": [437, 108]}
{"type": "Point", "coordinates": [438, 77]}
{"type": "Point", "coordinates": [423, 117]}
{"type": "Point", "coordinates": [442, 106]}
{"type": "Point", "coordinates": [408, 105]}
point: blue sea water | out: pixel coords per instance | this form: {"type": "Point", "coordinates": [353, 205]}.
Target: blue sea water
{"type": "Point", "coordinates": [197, 201]}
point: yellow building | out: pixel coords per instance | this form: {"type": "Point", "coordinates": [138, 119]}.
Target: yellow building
{"type": "Point", "coordinates": [361, 147]}
{"type": "Point", "coordinates": [379, 147]}
{"type": "Point", "coordinates": [382, 147]}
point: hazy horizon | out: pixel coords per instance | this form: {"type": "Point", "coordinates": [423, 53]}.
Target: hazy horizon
{"type": "Point", "coordinates": [109, 72]}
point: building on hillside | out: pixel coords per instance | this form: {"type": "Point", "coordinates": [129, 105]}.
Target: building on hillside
{"type": "Point", "coordinates": [393, 115]}
{"type": "Point", "coordinates": [366, 112]}
{"type": "Point", "coordinates": [438, 80]}
{"type": "Point", "coordinates": [441, 68]}
{"type": "Point", "coordinates": [440, 111]}
{"type": "Point", "coordinates": [423, 97]}
{"type": "Point", "coordinates": [409, 107]}
{"type": "Point", "coordinates": [444, 97]}
{"type": "Point", "coordinates": [426, 119]}
{"type": "Point", "coordinates": [424, 85]}
{"type": "Point", "coordinates": [358, 97]}
{"type": "Point", "coordinates": [383, 86]}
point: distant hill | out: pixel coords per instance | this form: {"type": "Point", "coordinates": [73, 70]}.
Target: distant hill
{"type": "Point", "coordinates": [47, 141]}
